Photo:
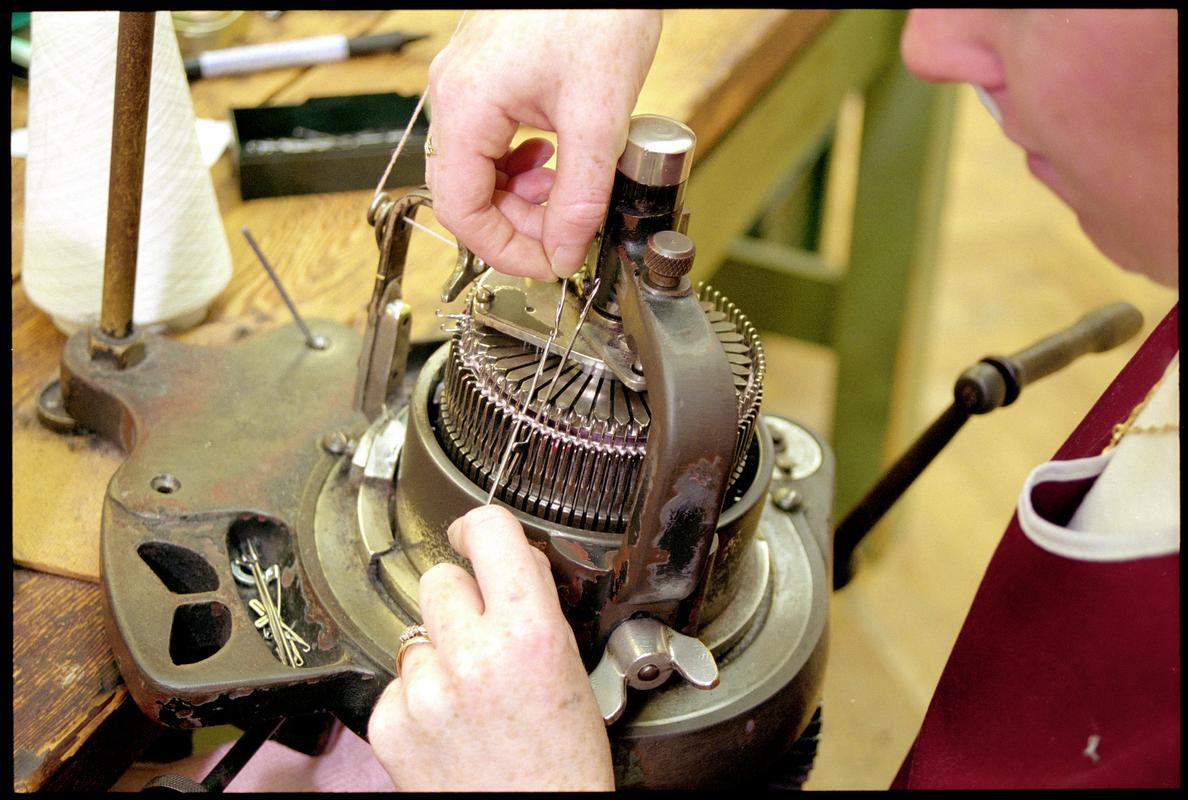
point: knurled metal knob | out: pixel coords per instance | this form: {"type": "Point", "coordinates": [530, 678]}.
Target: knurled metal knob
{"type": "Point", "coordinates": [669, 257]}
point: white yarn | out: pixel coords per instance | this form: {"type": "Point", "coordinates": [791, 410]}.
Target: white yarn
{"type": "Point", "coordinates": [183, 259]}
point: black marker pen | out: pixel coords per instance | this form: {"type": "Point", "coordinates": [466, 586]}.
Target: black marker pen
{"type": "Point", "coordinates": [294, 53]}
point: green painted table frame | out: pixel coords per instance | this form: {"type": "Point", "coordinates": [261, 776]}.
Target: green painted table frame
{"type": "Point", "coordinates": [870, 311]}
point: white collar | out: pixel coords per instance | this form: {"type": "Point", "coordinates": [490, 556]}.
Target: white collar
{"type": "Point", "coordinates": [1133, 509]}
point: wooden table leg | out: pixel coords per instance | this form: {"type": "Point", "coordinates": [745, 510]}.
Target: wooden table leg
{"type": "Point", "coordinates": [878, 323]}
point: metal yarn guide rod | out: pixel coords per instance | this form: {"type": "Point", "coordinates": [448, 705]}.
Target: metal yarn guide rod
{"type": "Point", "coordinates": [544, 355]}
{"type": "Point", "coordinates": [314, 342]}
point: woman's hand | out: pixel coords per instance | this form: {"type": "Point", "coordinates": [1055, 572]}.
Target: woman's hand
{"type": "Point", "coordinates": [500, 699]}
{"type": "Point", "coordinates": [576, 73]}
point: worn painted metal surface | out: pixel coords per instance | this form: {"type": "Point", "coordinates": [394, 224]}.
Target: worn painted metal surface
{"type": "Point", "coordinates": [663, 561]}
{"type": "Point", "coordinates": [224, 445]}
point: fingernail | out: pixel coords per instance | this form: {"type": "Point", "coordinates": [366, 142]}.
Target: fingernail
{"type": "Point", "coordinates": [454, 529]}
{"type": "Point", "coordinates": [567, 260]}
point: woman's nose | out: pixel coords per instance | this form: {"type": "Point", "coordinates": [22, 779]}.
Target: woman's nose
{"type": "Point", "coordinates": [953, 46]}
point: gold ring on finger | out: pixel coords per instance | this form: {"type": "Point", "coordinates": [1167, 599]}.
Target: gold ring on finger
{"type": "Point", "coordinates": [412, 635]}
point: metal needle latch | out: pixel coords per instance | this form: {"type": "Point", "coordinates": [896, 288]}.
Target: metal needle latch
{"type": "Point", "coordinates": [314, 342]}
{"type": "Point", "coordinates": [512, 444]}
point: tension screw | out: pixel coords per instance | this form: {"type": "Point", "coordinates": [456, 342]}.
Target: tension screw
{"type": "Point", "coordinates": [648, 672]}
{"type": "Point", "coordinates": [786, 498]}
{"type": "Point", "coordinates": [336, 443]}
{"type": "Point", "coordinates": [669, 258]}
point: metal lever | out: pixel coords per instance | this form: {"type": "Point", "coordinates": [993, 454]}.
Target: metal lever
{"type": "Point", "coordinates": [467, 269]}
{"type": "Point", "coordinates": [228, 767]}
{"type": "Point", "coordinates": [677, 498]}
{"type": "Point", "coordinates": [642, 653]}
{"type": "Point", "coordinates": [386, 341]}
{"type": "Point", "coordinates": [993, 382]}
{"type": "Point", "coordinates": [384, 354]}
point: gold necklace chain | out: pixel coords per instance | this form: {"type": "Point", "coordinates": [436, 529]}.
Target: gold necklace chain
{"type": "Point", "coordinates": [1128, 426]}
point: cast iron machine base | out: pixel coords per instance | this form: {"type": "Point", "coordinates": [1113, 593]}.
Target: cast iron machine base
{"type": "Point", "coordinates": [263, 541]}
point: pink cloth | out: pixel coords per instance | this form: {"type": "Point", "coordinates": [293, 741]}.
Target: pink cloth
{"type": "Point", "coordinates": [347, 765]}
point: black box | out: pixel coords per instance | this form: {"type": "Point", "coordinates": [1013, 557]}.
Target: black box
{"type": "Point", "coordinates": [327, 144]}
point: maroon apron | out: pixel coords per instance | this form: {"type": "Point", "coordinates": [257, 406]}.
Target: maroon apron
{"type": "Point", "coordinates": [1066, 673]}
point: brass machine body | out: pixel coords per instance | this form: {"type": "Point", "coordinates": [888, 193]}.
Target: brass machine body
{"type": "Point", "coordinates": [699, 602]}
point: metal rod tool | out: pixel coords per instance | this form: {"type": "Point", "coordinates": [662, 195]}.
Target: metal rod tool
{"type": "Point", "coordinates": [314, 342]}
{"type": "Point", "coordinates": [134, 62]}
{"type": "Point", "coordinates": [993, 382]}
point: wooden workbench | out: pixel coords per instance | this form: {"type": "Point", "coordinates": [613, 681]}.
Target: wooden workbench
{"type": "Point", "coordinates": [725, 73]}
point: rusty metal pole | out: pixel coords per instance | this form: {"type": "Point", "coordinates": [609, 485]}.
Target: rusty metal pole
{"type": "Point", "coordinates": [134, 61]}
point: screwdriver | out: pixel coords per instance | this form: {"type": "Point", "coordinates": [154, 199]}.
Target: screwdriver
{"type": "Point", "coordinates": [293, 53]}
